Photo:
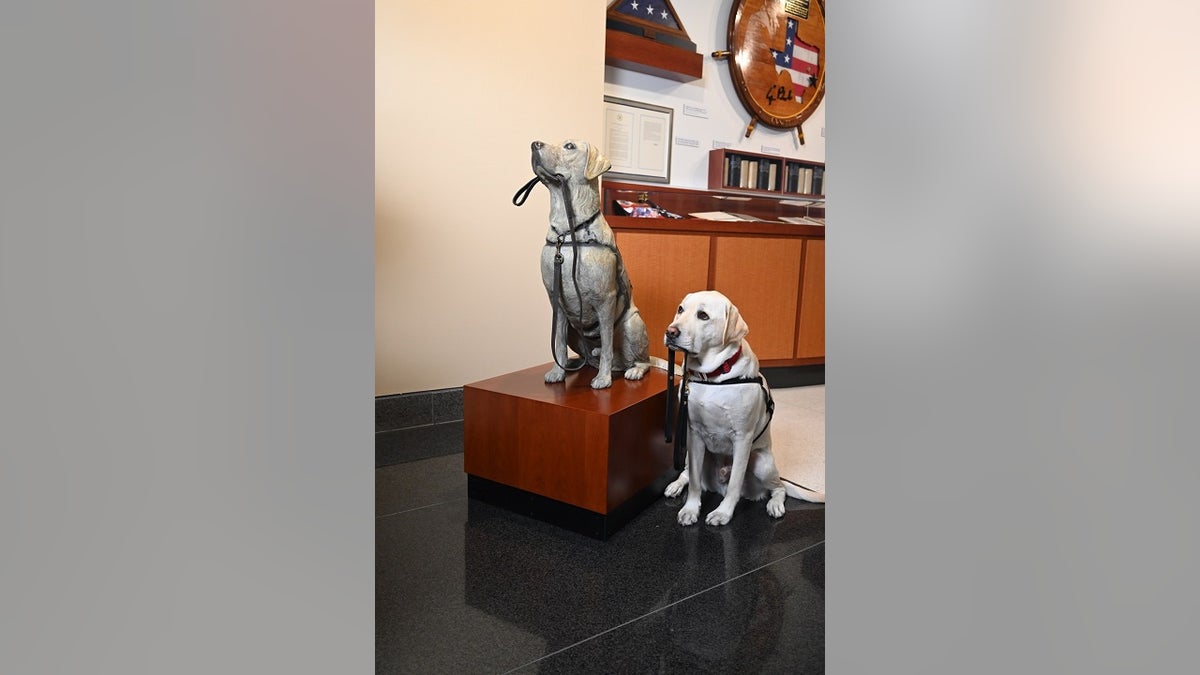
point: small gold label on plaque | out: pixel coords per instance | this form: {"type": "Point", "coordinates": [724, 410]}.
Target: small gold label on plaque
{"type": "Point", "coordinates": [797, 8]}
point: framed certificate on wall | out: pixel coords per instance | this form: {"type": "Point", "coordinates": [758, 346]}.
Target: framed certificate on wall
{"type": "Point", "coordinates": [637, 140]}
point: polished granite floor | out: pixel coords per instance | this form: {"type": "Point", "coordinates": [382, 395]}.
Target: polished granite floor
{"type": "Point", "coordinates": [465, 587]}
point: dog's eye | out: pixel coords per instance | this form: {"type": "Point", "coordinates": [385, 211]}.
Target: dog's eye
{"type": "Point", "coordinates": [703, 316]}
{"type": "Point", "coordinates": [569, 146]}
{"type": "Point", "coordinates": [680, 310]}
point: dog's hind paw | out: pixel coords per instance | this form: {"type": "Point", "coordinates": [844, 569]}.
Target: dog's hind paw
{"type": "Point", "coordinates": [775, 508]}
{"type": "Point", "coordinates": [602, 381]}
{"type": "Point", "coordinates": [556, 374]}
{"type": "Point", "coordinates": [675, 488]}
{"type": "Point", "coordinates": [635, 373]}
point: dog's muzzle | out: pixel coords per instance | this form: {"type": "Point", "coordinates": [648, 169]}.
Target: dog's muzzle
{"type": "Point", "coordinates": [539, 169]}
{"type": "Point", "coordinates": [670, 339]}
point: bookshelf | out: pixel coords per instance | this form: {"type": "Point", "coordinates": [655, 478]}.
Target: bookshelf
{"type": "Point", "coordinates": [738, 170]}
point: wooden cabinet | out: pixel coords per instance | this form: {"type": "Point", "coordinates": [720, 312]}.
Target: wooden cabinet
{"type": "Point", "coordinates": [810, 326]}
{"type": "Point", "coordinates": [773, 271]}
{"type": "Point", "coordinates": [663, 267]}
{"type": "Point", "coordinates": [761, 275]}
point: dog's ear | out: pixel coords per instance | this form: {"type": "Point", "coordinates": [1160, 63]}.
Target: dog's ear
{"type": "Point", "coordinates": [597, 163]}
{"type": "Point", "coordinates": [735, 326]}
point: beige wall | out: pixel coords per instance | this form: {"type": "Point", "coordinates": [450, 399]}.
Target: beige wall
{"type": "Point", "coordinates": [461, 91]}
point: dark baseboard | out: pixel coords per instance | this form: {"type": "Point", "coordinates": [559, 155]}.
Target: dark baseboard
{"type": "Point", "coordinates": [421, 408]}
{"type": "Point", "coordinates": [795, 376]}
{"type": "Point", "coordinates": [409, 445]}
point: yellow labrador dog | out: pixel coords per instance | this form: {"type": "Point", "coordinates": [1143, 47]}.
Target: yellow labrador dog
{"type": "Point", "coordinates": [582, 271]}
{"type": "Point", "coordinates": [729, 413]}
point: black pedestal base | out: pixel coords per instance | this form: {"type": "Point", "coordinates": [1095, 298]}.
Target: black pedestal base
{"type": "Point", "coordinates": [561, 514]}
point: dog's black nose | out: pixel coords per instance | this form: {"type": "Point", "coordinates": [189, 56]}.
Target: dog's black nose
{"type": "Point", "coordinates": [672, 332]}
{"type": "Point", "coordinates": [536, 145]}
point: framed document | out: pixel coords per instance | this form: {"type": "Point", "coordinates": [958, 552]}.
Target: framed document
{"type": "Point", "coordinates": [637, 140]}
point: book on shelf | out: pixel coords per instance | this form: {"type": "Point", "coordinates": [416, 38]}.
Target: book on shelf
{"type": "Point", "coordinates": [772, 171]}
{"type": "Point", "coordinates": [818, 181]}
{"type": "Point", "coordinates": [806, 182]}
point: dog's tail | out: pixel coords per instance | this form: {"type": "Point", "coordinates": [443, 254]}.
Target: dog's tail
{"type": "Point", "coordinates": [799, 492]}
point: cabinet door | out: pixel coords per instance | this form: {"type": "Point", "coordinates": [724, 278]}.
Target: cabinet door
{"type": "Point", "coordinates": [663, 268]}
{"type": "Point", "coordinates": [761, 275]}
{"type": "Point", "coordinates": [810, 336]}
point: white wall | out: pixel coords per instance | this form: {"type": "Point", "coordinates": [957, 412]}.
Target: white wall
{"type": "Point", "coordinates": [707, 24]}
{"type": "Point", "coordinates": [461, 91]}
{"type": "Point", "coordinates": [460, 94]}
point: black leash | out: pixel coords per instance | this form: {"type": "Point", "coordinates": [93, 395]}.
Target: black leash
{"type": "Point", "coordinates": [680, 431]}
{"type": "Point", "coordinates": [670, 393]}
{"type": "Point", "coordinates": [519, 198]}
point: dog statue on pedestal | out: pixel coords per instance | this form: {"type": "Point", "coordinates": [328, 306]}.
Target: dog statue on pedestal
{"type": "Point", "coordinates": [585, 279]}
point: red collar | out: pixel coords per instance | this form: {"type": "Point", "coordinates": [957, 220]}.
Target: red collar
{"type": "Point", "coordinates": [721, 369]}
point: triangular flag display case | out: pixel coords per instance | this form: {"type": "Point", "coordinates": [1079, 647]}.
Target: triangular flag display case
{"type": "Point", "coordinates": [647, 36]}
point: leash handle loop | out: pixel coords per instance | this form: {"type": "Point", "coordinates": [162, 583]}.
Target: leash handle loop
{"type": "Point", "coordinates": [523, 192]}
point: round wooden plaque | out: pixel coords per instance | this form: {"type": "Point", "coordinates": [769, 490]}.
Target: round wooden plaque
{"type": "Point", "coordinates": [777, 59]}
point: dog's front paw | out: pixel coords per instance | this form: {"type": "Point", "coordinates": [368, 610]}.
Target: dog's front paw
{"type": "Point", "coordinates": [775, 507]}
{"type": "Point", "coordinates": [602, 381]}
{"type": "Point", "coordinates": [688, 515]}
{"type": "Point", "coordinates": [556, 374]}
{"type": "Point", "coordinates": [718, 517]}
{"type": "Point", "coordinates": [635, 373]}
{"type": "Point", "coordinates": [675, 488]}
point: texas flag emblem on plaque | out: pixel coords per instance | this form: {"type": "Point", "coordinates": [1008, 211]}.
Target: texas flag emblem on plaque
{"type": "Point", "coordinates": [799, 58]}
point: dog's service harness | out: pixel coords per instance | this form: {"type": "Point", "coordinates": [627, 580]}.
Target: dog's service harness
{"type": "Point", "coordinates": [695, 377]}
{"type": "Point", "coordinates": [590, 332]}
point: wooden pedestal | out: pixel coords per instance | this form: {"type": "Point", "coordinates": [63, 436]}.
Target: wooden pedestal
{"type": "Point", "coordinates": [588, 460]}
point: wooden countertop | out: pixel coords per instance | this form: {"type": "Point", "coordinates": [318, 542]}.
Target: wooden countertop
{"type": "Point", "coordinates": [701, 226]}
